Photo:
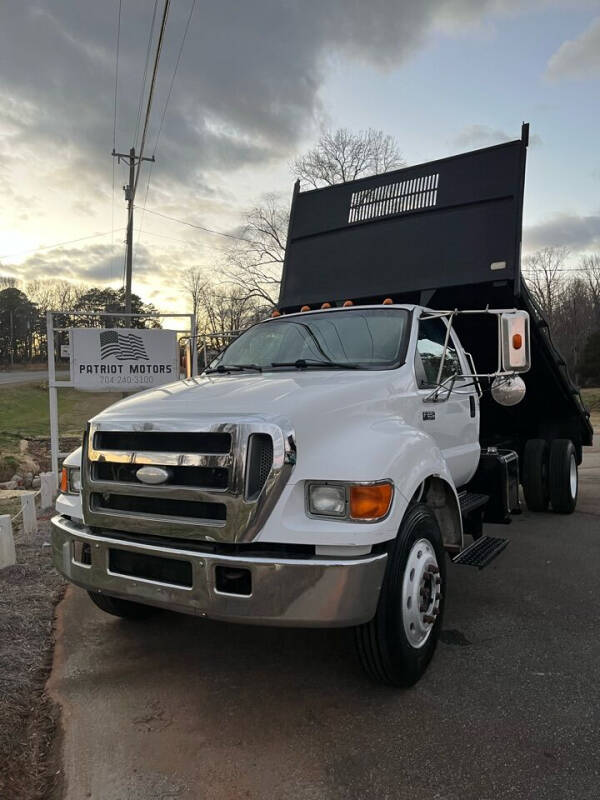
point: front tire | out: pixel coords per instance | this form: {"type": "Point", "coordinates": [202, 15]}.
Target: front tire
{"type": "Point", "coordinates": [396, 646]}
{"type": "Point", "coordinates": [121, 608]}
{"type": "Point", "coordinates": [564, 480]}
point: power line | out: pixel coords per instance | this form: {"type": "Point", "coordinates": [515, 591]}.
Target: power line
{"type": "Point", "coordinates": [60, 244]}
{"type": "Point", "coordinates": [115, 125]}
{"type": "Point", "coordinates": [117, 75]}
{"type": "Point", "coordinates": [199, 227]}
{"type": "Point", "coordinates": [163, 25]}
{"type": "Point", "coordinates": [132, 158]}
{"type": "Point", "coordinates": [164, 112]}
{"type": "Point", "coordinates": [145, 74]}
{"type": "Point", "coordinates": [173, 238]}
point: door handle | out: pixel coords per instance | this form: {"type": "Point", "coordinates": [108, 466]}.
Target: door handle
{"type": "Point", "coordinates": [472, 405]}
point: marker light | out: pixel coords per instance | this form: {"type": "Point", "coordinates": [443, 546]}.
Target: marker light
{"type": "Point", "coordinates": [70, 480]}
{"type": "Point", "coordinates": [305, 308]}
{"type": "Point", "coordinates": [326, 305]}
{"type": "Point", "coordinates": [517, 341]}
{"type": "Point", "coordinates": [388, 301]}
{"type": "Point", "coordinates": [348, 303]}
{"type": "Point", "coordinates": [370, 502]}
{"type": "Point", "coordinates": [276, 313]}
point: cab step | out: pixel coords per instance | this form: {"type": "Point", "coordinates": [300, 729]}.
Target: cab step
{"type": "Point", "coordinates": [481, 552]}
{"type": "Point", "coordinates": [470, 501]}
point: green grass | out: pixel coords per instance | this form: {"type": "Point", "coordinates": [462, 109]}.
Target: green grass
{"type": "Point", "coordinates": [591, 397]}
{"type": "Point", "coordinates": [24, 412]}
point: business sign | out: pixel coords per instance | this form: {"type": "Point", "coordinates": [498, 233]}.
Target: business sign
{"type": "Point", "coordinates": [122, 359]}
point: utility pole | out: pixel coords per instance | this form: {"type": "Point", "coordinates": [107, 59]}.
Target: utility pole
{"type": "Point", "coordinates": [129, 190]}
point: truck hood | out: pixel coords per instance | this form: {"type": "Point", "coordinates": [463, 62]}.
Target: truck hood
{"type": "Point", "coordinates": [301, 398]}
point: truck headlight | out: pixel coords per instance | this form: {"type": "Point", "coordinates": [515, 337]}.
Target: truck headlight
{"type": "Point", "coordinates": [327, 499]}
{"type": "Point", "coordinates": [363, 502]}
{"type": "Point", "coordinates": [70, 480]}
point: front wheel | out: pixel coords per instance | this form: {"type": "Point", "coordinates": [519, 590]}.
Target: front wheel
{"type": "Point", "coordinates": [396, 646]}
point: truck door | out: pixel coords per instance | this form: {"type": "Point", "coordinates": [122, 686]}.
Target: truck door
{"type": "Point", "coordinates": [452, 421]}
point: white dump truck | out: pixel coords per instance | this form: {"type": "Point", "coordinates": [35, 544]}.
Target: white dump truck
{"type": "Point", "coordinates": [333, 457]}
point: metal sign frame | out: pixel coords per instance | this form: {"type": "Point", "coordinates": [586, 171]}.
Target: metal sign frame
{"type": "Point", "coordinates": [54, 385]}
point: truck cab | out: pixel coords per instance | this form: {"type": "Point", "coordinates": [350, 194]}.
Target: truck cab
{"type": "Point", "coordinates": [324, 467]}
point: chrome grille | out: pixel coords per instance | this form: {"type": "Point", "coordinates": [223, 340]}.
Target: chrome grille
{"type": "Point", "coordinates": [223, 479]}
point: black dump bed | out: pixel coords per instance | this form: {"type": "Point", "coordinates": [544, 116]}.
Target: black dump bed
{"type": "Point", "coordinates": [445, 234]}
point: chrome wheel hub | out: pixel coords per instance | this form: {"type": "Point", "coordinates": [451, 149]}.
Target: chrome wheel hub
{"type": "Point", "coordinates": [421, 592]}
{"type": "Point", "coordinates": [573, 477]}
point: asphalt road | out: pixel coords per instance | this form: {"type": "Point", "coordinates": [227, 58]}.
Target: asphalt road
{"type": "Point", "coordinates": [178, 708]}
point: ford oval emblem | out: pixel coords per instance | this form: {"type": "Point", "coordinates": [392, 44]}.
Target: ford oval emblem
{"type": "Point", "coordinates": [152, 475]}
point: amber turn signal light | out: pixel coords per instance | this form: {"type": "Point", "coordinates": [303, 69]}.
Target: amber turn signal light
{"type": "Point", "coordinates": [276, 313]}
{"type": "Point", "coordinates": [64, 481]}
{"type": "Point", "coordinates": [370, 502]}
{"type": "Point", "coordinates": [348, 303]}
{"type": "Point", "coordinates": [517, 341]}
{"type": "Point", "coordinates": [305, 308]}
{"type": "Point", "coordinates": [325, 305]}
{"type": "Point", "coordinates": [388, 301]}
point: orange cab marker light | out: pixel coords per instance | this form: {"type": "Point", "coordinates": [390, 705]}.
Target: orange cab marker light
{"type": "Point", "coordinates": [517, 341]}
{"type": "Point", "coordinates": [348, 303]}
{"type": "Point", "coordinates": [326, 305]}
{"type": "Point", "coordinates": [63, 480]}
{"type": "Point", "coordinates": [388, 301]}
{"type": "Point", "coordinates": [276, 313]}
{"type": "Point", "coordinates": [305, 308]}
{"type": "Point", "coordinates": [370, 502]}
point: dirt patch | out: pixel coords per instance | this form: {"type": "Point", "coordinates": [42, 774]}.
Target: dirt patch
{"type": "Point", "coordinates": [38, 448]}
{"type": "Point", "coordinates": [29, 592]}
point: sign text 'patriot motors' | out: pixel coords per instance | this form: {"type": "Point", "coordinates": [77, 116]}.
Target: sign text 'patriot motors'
{"type": "Point", "coordinates": [122, 359]}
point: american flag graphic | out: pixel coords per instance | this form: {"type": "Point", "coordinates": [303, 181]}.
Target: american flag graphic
{"type": "Point", "coordinates": [122, 346]}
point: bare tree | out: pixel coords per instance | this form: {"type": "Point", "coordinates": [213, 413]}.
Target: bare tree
{"type": "Point", "coordinates": [544, 272]}
{"type": "Point", "coordinates": [254, 265]}
{"type": "Point", "coordinates": [223, 313]}
{"type": "Point", "coordinates": [194, 282]}
{"type": "Point", "coordinates": [340, 156]}
{"type": "Point", "coordinates": [55, 294]}
{"type": "Point", "coordinates": [8, 282]}
{"type": "Point", "coordinates": [590, 267]}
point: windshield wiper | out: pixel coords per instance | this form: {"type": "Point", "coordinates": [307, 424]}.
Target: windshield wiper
{"type": "Point", "coordinates": [222, 368]}
{"type": "Point", "coordinates": [303, 363]}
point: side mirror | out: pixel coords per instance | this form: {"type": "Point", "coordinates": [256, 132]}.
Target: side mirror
{"type": "Point", "coordinates": [515, 341]}
{"type": "Point", "coordinates": [508, 391]}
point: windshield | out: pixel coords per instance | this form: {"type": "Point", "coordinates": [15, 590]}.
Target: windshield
{"type": "Point", "coordinates": [370, 338]}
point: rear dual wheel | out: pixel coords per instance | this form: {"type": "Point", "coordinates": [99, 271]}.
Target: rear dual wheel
{"type": "Point", "coordinates": [550, 475]}
{"type": "Point", "coordinates": [564, 480]}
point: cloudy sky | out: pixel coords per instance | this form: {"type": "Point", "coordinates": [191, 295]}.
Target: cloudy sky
{"type": "Point", "coordinates": [256, 82]}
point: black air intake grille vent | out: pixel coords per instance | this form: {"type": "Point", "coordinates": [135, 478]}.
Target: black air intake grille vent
{"type": "Point", "coordinates": [158, 506]}
{"type": "Point", "coordinates": [163, 441]}
{"type": "Point", "coordinates": [260, 461]}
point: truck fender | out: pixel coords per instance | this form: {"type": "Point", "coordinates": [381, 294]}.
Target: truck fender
{"type": "Point", "coordinates": [432, 484]}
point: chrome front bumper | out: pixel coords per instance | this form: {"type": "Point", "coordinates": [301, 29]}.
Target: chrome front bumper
{"type": "Point", "coordinates": [310, 592]}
